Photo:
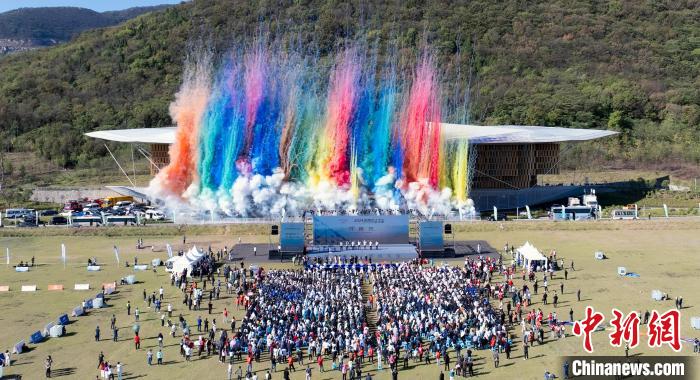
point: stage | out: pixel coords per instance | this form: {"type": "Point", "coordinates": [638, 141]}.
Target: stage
{"type": "Point", "coordinates": [398, 252]}
{"type": "Point", "coordinates": [386, 252]}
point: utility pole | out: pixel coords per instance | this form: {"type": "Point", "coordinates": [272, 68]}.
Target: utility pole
{"type": "Point", "coordinates": [2, 170]}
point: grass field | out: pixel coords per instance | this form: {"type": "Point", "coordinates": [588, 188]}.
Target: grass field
{"type": "Point", "coordinates": [663, 253]}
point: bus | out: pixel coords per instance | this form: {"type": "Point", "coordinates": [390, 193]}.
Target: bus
{"type": "Point", "coordinates": [112, 201]}
{"type": "Point", "coordinates": [16, 213]}
{"type": "Point", "coordinates": [572, 213]}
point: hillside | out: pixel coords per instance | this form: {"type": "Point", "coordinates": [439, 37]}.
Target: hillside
{"type": "Point", "coordinates": [27, 28]}
{"type": "Point", "coordinates": [629, 66]}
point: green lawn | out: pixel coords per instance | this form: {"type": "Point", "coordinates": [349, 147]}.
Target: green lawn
{"type": "Point", "coordinates": [664, 254]}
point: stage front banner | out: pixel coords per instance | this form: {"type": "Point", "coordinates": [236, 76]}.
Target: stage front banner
{"type": "Point", "coordinates": [431, 238]}
{"type": "Point", "coordinates": [292, 237]}
{"type": "Point", "coordinates": [385, 229]}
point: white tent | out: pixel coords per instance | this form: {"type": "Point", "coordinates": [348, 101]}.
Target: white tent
{"type": "Point", "coordinates": [530, 255]}
{"type": "Point", "coordinates": [170, 262]}
{"type": "Point", "coordinates": [186, 261]}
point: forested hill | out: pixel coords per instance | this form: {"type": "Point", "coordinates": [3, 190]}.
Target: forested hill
{"type": "Point", "coordinates": [52, 25]}
{"type": "Point", "coordinates": [625, 65]}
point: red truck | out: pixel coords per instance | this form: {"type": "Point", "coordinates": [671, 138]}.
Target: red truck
{"type": "Point", "coordinates": [72, 205]}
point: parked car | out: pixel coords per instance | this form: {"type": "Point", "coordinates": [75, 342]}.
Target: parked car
{"type": "Point", "coordinates": [118, 211]}
{"type": "Point", "coordinates": [48, 213]}
{"type": "Point", "coordinates": [28, 222]}
{"type": "Point", "coordinates": [155, 214]}
{"type": "Point", "coordinates": [59, 220]}
{"type": "Point", "coordinates": [72, 205]}
{"type": "Point", "coordinates": [500, 217]}
{"type": "Point", "coordinates": [123, 204]}
{"type": "Point", "coordinates": [92, 206]}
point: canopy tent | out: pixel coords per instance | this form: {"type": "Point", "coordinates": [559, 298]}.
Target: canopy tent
{"type": "Point", "coordinates": [187, 261]}
{"type": "Point", "coordinates": [531, 257]}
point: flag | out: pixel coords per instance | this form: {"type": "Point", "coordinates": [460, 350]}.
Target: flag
{"type": "Point", "coordinates": [170, 251]}
{"type": "Point", "coordinates": [665, 210]}
{"type": "Point", "coordinates": [529, 214]}
{"type": "Point", "coordinates": [7, 252]}
{"type": "Point", "coordinates": [63, 254]}
{"type": "Point", "coordinates": [116, 253]}
{"type": "Point", "coordinates": [563, 212]}
{"type": "Point", "coordinates": [495, 213]}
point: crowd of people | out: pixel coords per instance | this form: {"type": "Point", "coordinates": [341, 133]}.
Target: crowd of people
{"type": "Point", "coordinates": [445, 306]}
{"type": "Point", "coordinates": [317, 311]}
{"type": "Point", "coordinates": [422, 314]}
{"type": "Point", "coordinates": [347, 315]}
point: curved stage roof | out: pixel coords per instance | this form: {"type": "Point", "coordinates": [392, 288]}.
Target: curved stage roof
{"type": "Point", "coordinates": [477, 134]}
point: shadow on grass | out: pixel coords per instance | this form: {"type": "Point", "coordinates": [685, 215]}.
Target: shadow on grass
{"type": "Point", "coordinates": [127, 375]}
{"type": "Point", "coordinates": [63, 372]}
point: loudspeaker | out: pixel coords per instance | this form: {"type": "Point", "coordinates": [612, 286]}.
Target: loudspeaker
{"type": "Point", "coordinates": [275, 230]}
{"type": "Point", "coordinates": [448, 228]}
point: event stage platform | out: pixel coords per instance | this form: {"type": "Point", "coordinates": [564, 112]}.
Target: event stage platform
{"type": "Point", "coordinates": [399, 252]}
{"type": "Point", "coordinates": [395, 252]}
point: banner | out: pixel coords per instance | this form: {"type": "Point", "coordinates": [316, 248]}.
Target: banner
{"type": "Point", "coordinates": [431, 236]}
{"type": "Point", "coordinates": [665, 210]}
{"type": "Point", "coordinates": [170, 251]}
{"type": "Point", "coordinates": [563, 212]}
{"type": "Point", "coordinates": [7, 252]}
{"type": "Point", "coordinates": [529, 215]}
{"type": "Point", "coordinates": [495, 213]}
{"type": "Point", "coordinates": [116, 254]}
{"type": "Point", "coordinates": [385, 229]}
{"type": "Point", "coordinates": [63, 254]}
{"type": "Point", "coordinates": [292, 237]}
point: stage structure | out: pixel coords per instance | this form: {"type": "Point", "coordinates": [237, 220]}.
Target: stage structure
{"type": "Point", "coordinates": [502, 173]}
{"type": "Point", "coordinates": [380, 237]}
{"type": "Point", "coordinates": [264, 133]}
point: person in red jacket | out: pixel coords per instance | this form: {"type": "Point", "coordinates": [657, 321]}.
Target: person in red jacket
{"type": "Point", "coordinates": [137, 342]}
{"type": "Point", "coordinates": [319, 360]}
{"type": "Point", "coordinates": [290, 362]}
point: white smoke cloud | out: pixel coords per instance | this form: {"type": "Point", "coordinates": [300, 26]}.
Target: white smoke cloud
{"type": "Point", "coordinates": [270, 196]}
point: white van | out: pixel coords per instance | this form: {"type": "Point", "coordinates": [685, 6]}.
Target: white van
{"type": "Point", "coordinates": [122, 204]}
{"type": "Point", "coordinates": [154, 214]}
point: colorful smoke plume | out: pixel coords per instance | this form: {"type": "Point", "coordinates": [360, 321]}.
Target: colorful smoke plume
{"type": "Point", "coordinates": [267, 132]}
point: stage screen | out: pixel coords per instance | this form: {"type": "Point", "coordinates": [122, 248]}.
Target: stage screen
{"type": "Point", "coordinates": [292, 237]}
{"type": "Point", "coordinates": [385, 229]}
{"type": "Point", "coordinates": [431, 238]}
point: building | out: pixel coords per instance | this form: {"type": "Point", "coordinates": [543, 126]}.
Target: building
{"type": "Point", "coordinates": [505, 160]}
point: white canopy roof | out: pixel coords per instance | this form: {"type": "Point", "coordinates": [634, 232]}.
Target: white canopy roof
{"type": "Point", "coordinates": [530, 253]}
{"type": "Point", "coordinates": [164, 135]}
{"type": "Point", "coordinates": [187, 260]}
{"type": "Point", "coordinates": [502, 134]}
{"type": "Point", "coordinates": [477, 134]}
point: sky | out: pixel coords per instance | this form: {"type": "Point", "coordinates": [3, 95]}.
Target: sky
{"type": "Point", "coordinates": [97, 5]}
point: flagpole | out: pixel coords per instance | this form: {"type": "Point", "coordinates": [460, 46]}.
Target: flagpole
{"type": "Point", "coordinates": [63, 254]}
